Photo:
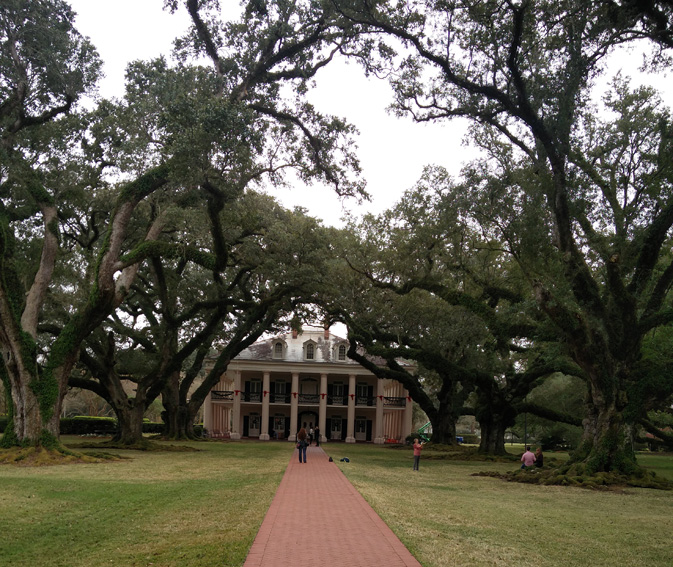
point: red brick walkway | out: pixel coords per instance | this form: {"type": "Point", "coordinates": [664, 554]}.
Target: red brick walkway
{"type": "Point", "coordinates": [318, 518]}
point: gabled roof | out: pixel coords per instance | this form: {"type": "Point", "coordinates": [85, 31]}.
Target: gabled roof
{"type": "Point", "coordinates": [325, 348]}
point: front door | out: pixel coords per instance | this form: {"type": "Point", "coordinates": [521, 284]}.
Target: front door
{"type": "Point", "coordinates": [335, 432]}
{"type": "Point", "coordinates": [360, 428]}
{"type": "Point", "coordinates": [307, 420]}
{"type": "Point", "coordinates": [254, 427]}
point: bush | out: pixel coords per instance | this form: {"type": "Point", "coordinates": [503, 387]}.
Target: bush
{"type": "Point", "coordinates": [86, 425]}
{"type": "Point", "coordinates": [155, 427]}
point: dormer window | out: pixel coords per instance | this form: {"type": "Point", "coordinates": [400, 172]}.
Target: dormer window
{"type": "Point", "coordinates": [341, 352]}
{"type": "Point", "coordinates": [278, 350]}
{"type": "Point", "coordinates": [310, 351]}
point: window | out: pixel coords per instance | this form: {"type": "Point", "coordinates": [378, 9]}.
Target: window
{"type": "Point", "coordinates": [310, 351]}
{"type": "Point", "coordinates": [341, 355]}
{"type": "Point", "coordinates": [278, 350]}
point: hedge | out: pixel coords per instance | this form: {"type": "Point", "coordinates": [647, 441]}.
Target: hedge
{"type": "Point", "coordinates": [87, 425]}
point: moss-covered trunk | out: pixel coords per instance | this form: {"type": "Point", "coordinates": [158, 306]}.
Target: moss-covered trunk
{"type": "Point", "coordinates": [606, 443]}
{"type": "Point", "coordinates": [34, 409]}
{"type": "Point", "coordinates": [178, 420]}
{"type": "Point", "coordinates": [26, 417]}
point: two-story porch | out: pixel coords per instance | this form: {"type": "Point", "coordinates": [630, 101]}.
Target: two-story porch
{"type": "Point", "coordinates": [269, 397]}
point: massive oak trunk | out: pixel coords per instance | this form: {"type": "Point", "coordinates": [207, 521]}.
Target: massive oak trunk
{"type": "Point", "coordinates": [606, 444]}
{"type": "Point", "coordinates": [130, 423]}
{"type": "Point", "coordinates": [444, 429]}
{"type": "Point", "coordinates": [494, 414]}
{"type": "Point", "coordinates": [446, 415]}
{"type": "Point", "coordinates": [26, 415]}
{"type": "Point", "coordinates": [178, 419]}
{"type": "Point", "coordinates": [492, 437]}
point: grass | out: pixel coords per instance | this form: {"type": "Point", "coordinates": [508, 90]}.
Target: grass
{"type": "Point", "coordinates": [447, 517]}
{"type": "Point", "coordinates": [204, 508]}
{"type": "Point", "coordinates": [162, 509]}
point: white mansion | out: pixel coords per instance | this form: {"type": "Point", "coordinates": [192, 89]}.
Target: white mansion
{"type": "Point", "coordinates": [278, 385]}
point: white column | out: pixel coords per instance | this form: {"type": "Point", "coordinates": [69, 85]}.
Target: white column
{"type": "Point", "coordinates": [322, 412]}
{"type": "Point", "coordinates": [379, 438]}
{"type": "Point", "coordinates": [266, 396]}
{"type": "Point", "coordinates": [294, 407]}
{"type": "Point", "coordinates": [408, 417]}
{"type": "Point", "coordinates": [236, 418]}
{"type": "Point", "coordinates": [350, 429]}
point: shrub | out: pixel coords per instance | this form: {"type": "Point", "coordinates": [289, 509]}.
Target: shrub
{"type": "Point", "coordinates": [155, 427]}
{"type": "Point", "coordinates": [86, 425]}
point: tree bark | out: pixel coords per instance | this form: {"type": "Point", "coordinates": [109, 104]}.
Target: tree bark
{"type": "Point", "coordinates": [130, 420]}
{"type": "Point", "coordinates": [606, 443]}
{"type": "Point", "coordinates": [492, 436]}
{"type": "Point", "coordinates": [178, 419]}
{"type": "Point", "coordinates": [494, 414]}
{"type": "Point", "coordinates": [444, 429]}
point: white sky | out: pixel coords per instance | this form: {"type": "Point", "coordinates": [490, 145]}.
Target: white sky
{"type": "Point", "coordinates": [392, 151]}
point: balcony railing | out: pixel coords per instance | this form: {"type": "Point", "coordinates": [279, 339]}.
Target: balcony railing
{"type": "Point", "coordinates": [279, 398]}
{"type": "Point", "coordinates": [228, 396]}
{"type": "Point", "coordinates": [222, 395]}
{"type": "Point", "coordinates": [309, 398]}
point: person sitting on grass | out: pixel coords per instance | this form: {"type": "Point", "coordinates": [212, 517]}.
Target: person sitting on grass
{"type": "Point", "coordinates": [528, 459]}
{"type": "Point", "coordinates": [539, 457]}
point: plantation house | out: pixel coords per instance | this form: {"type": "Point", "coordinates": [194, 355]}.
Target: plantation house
{"type": "Point", "coordinates": [278, 385]}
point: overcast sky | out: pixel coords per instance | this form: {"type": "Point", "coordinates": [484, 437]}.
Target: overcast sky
{"type": "Point", "coordinates": [392, 151]}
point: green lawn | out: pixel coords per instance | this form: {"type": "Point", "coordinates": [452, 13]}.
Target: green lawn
{"type": "Point", "coordinates": [448, 518]}
{"type": "Point", "coordinates": [204, 508]}
{"type": "Point", "coordinates": [161, 509]}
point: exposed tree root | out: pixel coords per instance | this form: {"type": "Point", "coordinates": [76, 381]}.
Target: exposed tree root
{"type": "Point", "coordinates": [140, 446]}
{"type": "Point", "coordinates": [596, 481]}
{"type": "Point", "coordinates": [42, 457]}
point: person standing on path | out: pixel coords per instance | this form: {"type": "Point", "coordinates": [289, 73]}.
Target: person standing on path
{"type": "Point", "coordinates": [417, 453]}
{"type": "Point", "coordinates": [301, 444]}
{"type": "Point", "coordinates": [317, 437]}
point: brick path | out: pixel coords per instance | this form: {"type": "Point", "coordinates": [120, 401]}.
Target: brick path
{"type": "Point", "coordinates": [318, 518]}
